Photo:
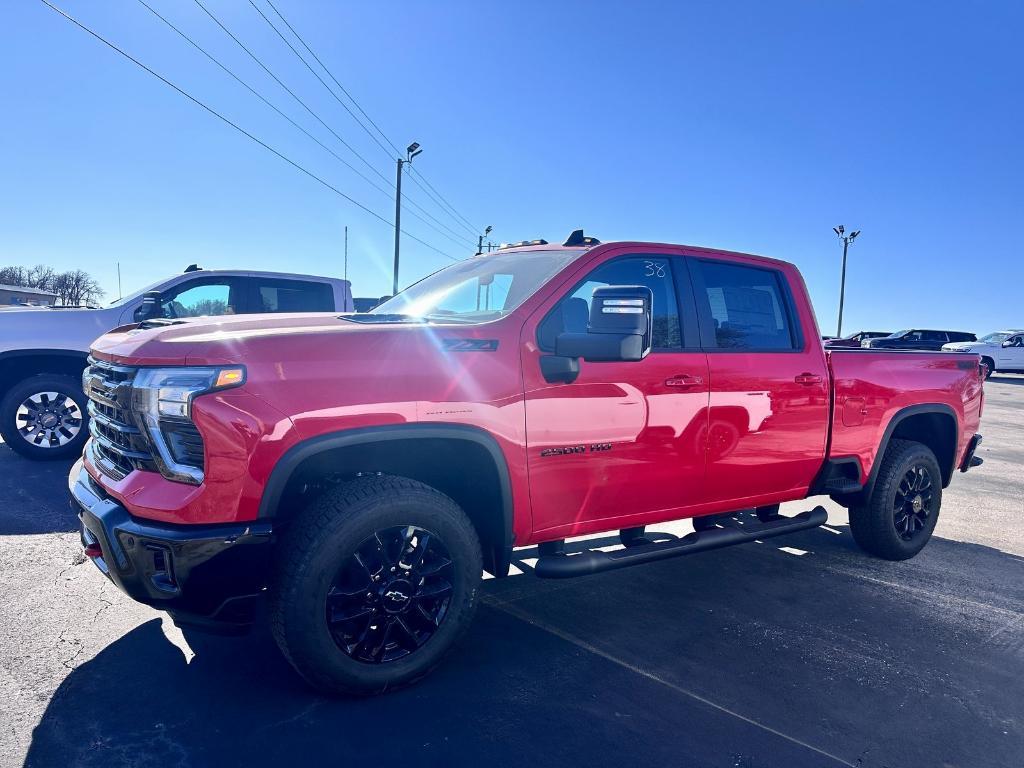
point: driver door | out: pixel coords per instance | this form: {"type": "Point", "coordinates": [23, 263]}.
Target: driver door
{"type": "Point", "coordinates": [623, 444]}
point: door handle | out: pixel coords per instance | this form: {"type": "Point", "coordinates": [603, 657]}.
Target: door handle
{"type": "Point", "coordinates": [684, 381]}
{"type": "Point", "coordinates": [808, 379]}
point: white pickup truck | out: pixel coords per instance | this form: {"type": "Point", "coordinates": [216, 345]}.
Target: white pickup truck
{"type": "Point", "coordinates": [43, 351]}
{"type": "Point", "coordinates": [1001, 351]}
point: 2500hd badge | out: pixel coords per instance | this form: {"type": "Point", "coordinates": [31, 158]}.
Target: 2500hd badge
{"type": "Point", "coordinates": [566, 450]}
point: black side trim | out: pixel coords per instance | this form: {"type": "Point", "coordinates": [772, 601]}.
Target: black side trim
{"type": "Point", "coordinates": [364, 435]}
{"type": "Point", "coordinates": [902, 415]}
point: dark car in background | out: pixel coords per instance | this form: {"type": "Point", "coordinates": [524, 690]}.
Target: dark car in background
{"type": "Point", "coordinates": [917, 339]}
{"type": "Point", "coordinates": [855, 339]}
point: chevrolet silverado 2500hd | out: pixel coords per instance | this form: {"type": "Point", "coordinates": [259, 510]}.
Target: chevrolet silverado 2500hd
{"type": "Point", "coordinates": [360, 471]}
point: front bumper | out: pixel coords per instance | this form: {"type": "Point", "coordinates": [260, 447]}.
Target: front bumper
{"type": "Point", "coordinates": [203, 574]}
{"type": "Point", "coordinates": [970, 460]}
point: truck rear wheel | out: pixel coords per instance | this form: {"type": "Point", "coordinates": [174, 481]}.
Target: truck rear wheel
{"type": "Point", "coordinates": [376, 580]}
{"type": "Point", "coordinates": [43, 417]}
{"type": "Point", "coordinates": [898, 519]}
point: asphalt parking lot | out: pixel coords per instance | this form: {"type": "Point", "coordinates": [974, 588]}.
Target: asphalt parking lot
{"type": "Point", "coordinates": [797, 652]}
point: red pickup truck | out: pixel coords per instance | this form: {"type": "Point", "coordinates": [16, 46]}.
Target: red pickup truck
{"type": "Point", "coordinates": [360, 471]}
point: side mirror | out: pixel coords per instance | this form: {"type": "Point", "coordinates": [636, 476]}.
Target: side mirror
{"type": "Point", "coordinates": [150, 306]}
{"type": "Point", "coordinates": [619, 328]}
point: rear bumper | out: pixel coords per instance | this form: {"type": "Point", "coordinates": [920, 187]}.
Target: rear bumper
{"type": "Point", "coordinates": [970, 460]}
{"type": "Point", "coordinates": [202, 574]}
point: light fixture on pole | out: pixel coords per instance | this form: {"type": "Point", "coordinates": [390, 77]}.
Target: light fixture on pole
{"type": "Point", "coordinates": [411, 151]}
{"type": "Point", "coordinates": [847, 240]}
{"type": "Point", "coordinates": [480, 241]}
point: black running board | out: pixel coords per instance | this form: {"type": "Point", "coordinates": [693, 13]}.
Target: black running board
{"type": "Point", "coordinates": [563, 566]}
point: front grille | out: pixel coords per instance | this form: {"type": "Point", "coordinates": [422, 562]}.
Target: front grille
{"type": "Point", "coordinates": [118, 446]}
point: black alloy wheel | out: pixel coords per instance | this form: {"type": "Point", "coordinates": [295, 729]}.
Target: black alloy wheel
{"type": "Point", "coordinates": [391, 595]}
{"type": "Point", "coordinates": [913, 502]}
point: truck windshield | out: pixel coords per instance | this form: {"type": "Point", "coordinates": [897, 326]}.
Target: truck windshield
{"type": "Point", "coordinates": [479, 289]}
{"type": "Point", "coordinates": [995, 338]}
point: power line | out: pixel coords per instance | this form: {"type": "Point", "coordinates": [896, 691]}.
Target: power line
{"type": "Point", "coordinates": [442, 203]}
{"type": "Point", "coordinates": [444, 231]}
{"type": "Point", "coordinates": [292, 93]}
{"type": "Point", "coordinates": [331, 75]}
{"type": "Point", "coordinates": [262, 98]}
{"type": "Point", "coordinates": [234, 125]}
{"type": "Point", "coordinates": [353, 115]}
{"type": "Point", "coordinates": [417, 177]}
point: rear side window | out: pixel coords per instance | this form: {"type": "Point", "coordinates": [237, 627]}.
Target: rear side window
{"type": "Point", "coordinates": [293, 296]}
{"type": "Point", "coordinates": [934, 336]}
{"type": "Point", "coordinates": [750, 307]}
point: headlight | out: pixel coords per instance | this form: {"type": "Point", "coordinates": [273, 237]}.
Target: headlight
{"type": "Point", "coordinates": [162, 401]}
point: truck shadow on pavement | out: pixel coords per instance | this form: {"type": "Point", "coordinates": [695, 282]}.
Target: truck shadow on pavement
{"type": "Point", "coordinates": [35, 495]}
{"type": "Point", "coordinates": [813, 655]}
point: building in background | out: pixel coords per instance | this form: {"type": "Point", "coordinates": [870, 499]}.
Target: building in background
{"type": "Point", "coordinates": [17, 296]}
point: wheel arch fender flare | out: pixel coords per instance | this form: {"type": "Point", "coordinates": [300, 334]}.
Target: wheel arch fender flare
{"type": "Point", "coordinates": [294, 457]}
{"type": "Point", "coordinates": [901, 416]}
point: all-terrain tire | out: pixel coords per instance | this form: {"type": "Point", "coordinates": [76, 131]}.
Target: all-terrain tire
{"type": "Point", "coordinates": [878, 524]}
{"type": "Point", "coordinates": [56, 398]}
{"type": "Point", "coordinates": [327, 534]}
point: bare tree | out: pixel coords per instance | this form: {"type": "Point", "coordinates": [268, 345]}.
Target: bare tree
{"type": "Point", "coordinates": [40, 276]}
{"type": "Point", "coordinates": [73, 287]}
{"type": "Point", "coordinates": [13, 276]}
{"type": "Point", "coordinates": [76, 287]}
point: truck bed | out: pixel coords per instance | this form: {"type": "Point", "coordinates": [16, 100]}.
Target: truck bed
{"type": "Point", "coordinates": [872, 386]}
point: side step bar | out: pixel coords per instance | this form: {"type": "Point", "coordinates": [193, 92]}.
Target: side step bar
{"type": "Point", "coordinates": [554, 564]}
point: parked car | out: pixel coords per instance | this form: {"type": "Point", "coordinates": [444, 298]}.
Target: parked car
{"type": "Point", "coordinates": [1000, 351]}
{"type": "Point", "coordinates": [516, 398]}
{"type": "Point", "coordinates": [43, 350]}
{"type": "Point", "coordinates": [855, 339]}
{"type": "Point", "coordinates": [917, 339]}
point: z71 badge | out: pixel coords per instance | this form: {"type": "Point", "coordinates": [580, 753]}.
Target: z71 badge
{"type": "Point", "coordinates": [569, 449]}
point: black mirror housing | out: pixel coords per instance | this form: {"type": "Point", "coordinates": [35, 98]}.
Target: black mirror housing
{"type": "Point", "coordinates": [619, 328]}
{"type": "Point", "coordinates": [149, 307]}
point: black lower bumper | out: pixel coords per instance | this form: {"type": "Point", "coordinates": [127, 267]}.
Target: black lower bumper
{"type": "Point", "coordinates": [205, 575]}
{"type": "Point", "coordinates": [970, 460]}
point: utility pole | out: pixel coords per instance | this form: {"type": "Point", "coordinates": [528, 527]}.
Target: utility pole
{"type": "Point", "coordinates": [346, 253]}
{"type": "Point", "coordinates": [480, 241]}
{"type": "Point", "coordinates": [410, 152]}
{"type": "Point", "coordinates": [119, 281]}
{"type": "Point", "coordinates": [847, 240]}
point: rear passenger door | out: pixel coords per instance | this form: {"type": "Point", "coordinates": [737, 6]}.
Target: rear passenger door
{"type": "Point", "coordinates": [273, 295]}
{"type": "Point", "coordinates": [769, 396]}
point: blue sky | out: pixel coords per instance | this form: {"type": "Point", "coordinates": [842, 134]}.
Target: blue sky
{"type": "Point", "coordinates": [743, 125]}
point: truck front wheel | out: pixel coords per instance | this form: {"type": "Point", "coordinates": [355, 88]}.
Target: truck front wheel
{"type": "Point", "coordinates": [43, 417]}
{"type": "Point", "coordinates": [898, 518]}
{"type": "Point", "coordinates": [376, 580]}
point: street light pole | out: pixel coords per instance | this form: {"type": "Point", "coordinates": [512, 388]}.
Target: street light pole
{"type": "Point", "coordinates": [480, 241]}
{"type": "Point", "coordinates": [411, 152]}
{"type": "Point", "coordinates": [847, 239]}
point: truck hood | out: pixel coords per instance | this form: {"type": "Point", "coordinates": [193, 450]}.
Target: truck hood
{"type": "Point", "coordinates": [64, 329]}
{"type": "Point", "coordinates": [967, 346]}
{"type": "Point", "coordinates": [238, 339]}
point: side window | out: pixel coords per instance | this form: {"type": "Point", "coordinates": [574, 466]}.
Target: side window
{"type": "Point", "coordinates": [934, 336]}
{"type": "Point", "coordinates": [914, 336]}
{"type": "Point", "coordinates": [204, 299]}
{"type": "Point", "coordinates": [573, 312]}
{"type": "Point", "coordinates": [749, 307]}
{"type": "Point", "coordinates": [293, 296]}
